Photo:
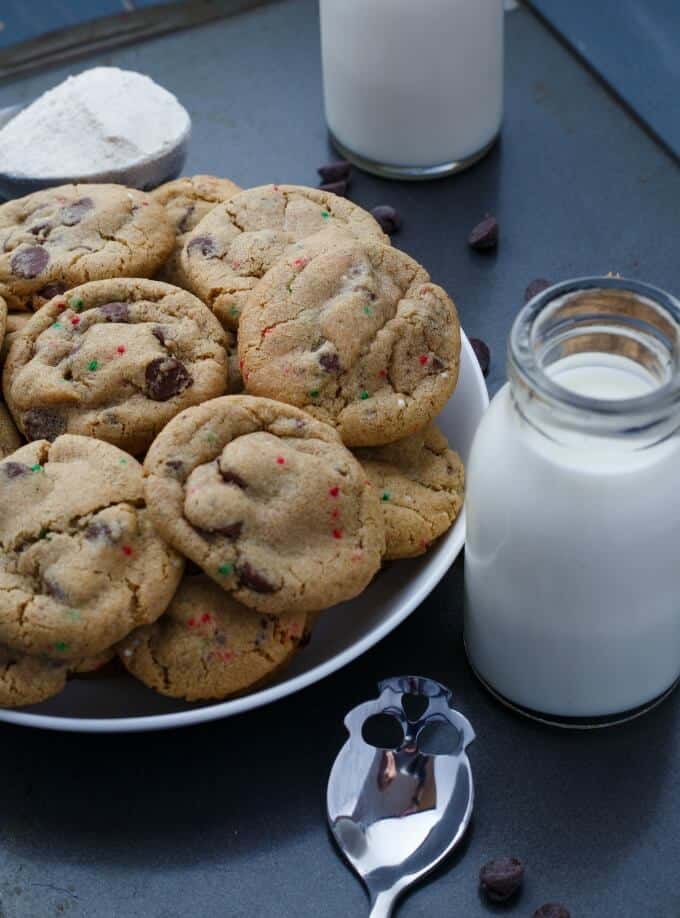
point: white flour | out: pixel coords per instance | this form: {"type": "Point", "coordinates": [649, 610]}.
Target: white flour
{"type": "Point", "coordinates": [104, 118]}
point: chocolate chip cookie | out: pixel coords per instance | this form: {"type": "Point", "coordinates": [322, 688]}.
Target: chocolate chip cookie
{"type": "Point", "coordinates": [186, 201]}
{"type": "Point", "coordinates": [80, 562]}
{"type": "Point", "coordinates": [9, 435]}
{"type": "Point", "coordinates": [54, 239]}
{"type": "Point", "coordinates": [355, 333]}
{"type": "Point", "coordinates": [421, 485]}
{"type": "Point", "coordinates": [234, 245]}
{"type": "Point", "coordinates": [115, 360]}
{"type": "Point", "coordinates": [208, 646]}
{"type": "Point", "coordinates": [267, 501]}
{"type": "Point", "coordinates": [28, 680]}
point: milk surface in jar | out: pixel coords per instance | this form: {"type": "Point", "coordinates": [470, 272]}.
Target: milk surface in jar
{"type": "Point", "coordinates": [413, 89]}
{"type": "Point", "coordinates": [573, 508]}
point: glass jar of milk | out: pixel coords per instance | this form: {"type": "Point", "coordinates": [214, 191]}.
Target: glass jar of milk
{"type": "Point", "coordinates": [413, 88]}
{"type": "Point", "coordinates": [572, 561]}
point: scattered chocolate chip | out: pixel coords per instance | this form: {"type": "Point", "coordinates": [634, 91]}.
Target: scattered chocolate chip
{"type": "Point", "coordinates": [230, 477]}
{"type": "Point", "coordinates": [15, 469]}
{"type": "Point", "coordinates": [51, 290]}
{"type": "Point", "coordinates": [339, 188]}
{"type": "Point", "coordinates": [485, 235]}
{"type": "Point", "coordinates": [552, 910]}
{"type": "Point", "coordinates": [203, 244]}
{"type": "Point", "coordinates": [175, 465]}
{"type": "Point", "coordinates": [482, 353]}
{"type": "Point", "coordinates": [232, 531]}
{"type": "Point", "coordinates": [40, 424]}
{"type": "Point", "coordinates": [221, 638]}
{"type": "Point", "coordinates": [159, 333]}
{"type": "Point", "coordinates": [330, 363]}
{"type": "Point", "coordinates": [536, 286]}
{"type": "Point", "coordinates": [40, 228]}
{"type": "Point", "coordinates": [501, 878]}
{"type": "Point", "coordinates": [165, 378]}
{"type": "Point", "coordinates": [98, 530]}
{"type": "Point", "coordinates": [388, 218]}
{"type": "Point", "coordinates": [335, 172]}
{"type": "Point", "coordinates": [75, 212]}
{"type": "Point", "coordinates": [53, 589]}
{"type": "Point", "coordinates": [250, 578]}
{"type": "Point", "coordinates": [29, 261]}
{"type": "Point", "coordinates": [436, 364]}
{"type": "Point", "coordinates": [183, 224]}
{"type": "Point", "coordinates": [115, 312]}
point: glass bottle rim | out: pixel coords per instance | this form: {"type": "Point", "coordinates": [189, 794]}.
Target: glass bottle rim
{"type": "Point", "coordinates": [609, 415]}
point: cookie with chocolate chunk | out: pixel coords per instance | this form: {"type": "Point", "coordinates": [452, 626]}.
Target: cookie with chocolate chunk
{"type": "Point", "coordinates": [81, 564]}
{"type": "Point", "coordinates": [421, 486]}
{"type": "Point", "coordinates": [237, 242]}
{"type": "Point", "coordinates": [208, 646]}
{"type": "Point", "coordinates": [267, 501]}
{"type": "Point", "coordinates": [54, 239]}
{"type": "Point", "coordinates": [355, 333]}
{"type": "Point", "coordinates": [186, 201]}
{"type": "Point", "coordinates": [115, 360]}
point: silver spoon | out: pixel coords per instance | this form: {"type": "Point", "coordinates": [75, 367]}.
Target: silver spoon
{"type": "Point", "coordinates": [400, 792]}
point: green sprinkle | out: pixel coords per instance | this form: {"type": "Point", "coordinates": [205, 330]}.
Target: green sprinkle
{"type": "Point", "coordinates": [122, 462]}
{"type": "Point", "coordinates": [57, 325]}
{"type": "Point", "coordinates": [325, 214]}
{"type": "Point", "coordinates": [74, 615]}
{"type": "Point", "coordinates": [36, 468]}
{"type": "Point", "coordinates": [363, 395]}
{"type": "Point", "coordinates": [368, 310]}
{"type": "Point", "coordinates": [210, 437]}
{"type": "Point", "coordinates": [385, 495]}
{"type": "Point", "coordinates": [233, 311]}
{"type": "Point", "coordinates": [93, 365]}
{"type": "Point", "coordinates": [225, 569]}
{"type": "Point", "coordinates": [61, 646]}
{"type": "Point", "coordinates": [43, 533]}
{"type": "Point", "coordinates": [76, 303]}
{"type": "Point", "coordinates": [313, 393]}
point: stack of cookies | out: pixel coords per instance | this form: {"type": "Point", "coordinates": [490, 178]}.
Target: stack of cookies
{"type": "Point", "coordinates": [153, 510]}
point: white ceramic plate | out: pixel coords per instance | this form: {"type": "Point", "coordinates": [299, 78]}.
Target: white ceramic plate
{"type": "Point", "coordinates": [120, 705]}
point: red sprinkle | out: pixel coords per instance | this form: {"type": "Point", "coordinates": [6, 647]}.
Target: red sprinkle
{"type": "Point", "coordinates": [423, 359]}
{"type": "Point", "coordinates": [383, 373]}
{"type": "Point", "coordinates": [127, 551]}
{"type": "Point", "coordinates": [121, 348]}
{"type": "Point", "coordinates": [61, 306]}
{"type": "Point", "coordinates": [240, 364]}
{"type": "Point", "coordinates": [268, 329]}
{"type": "Point", "coordinates": [206, 617]}
{"type": "Point", "coordinates": [75, 320]}
{"type": "Point", "coordinates": [280, 460]}
{"type": "Point", "coordinates": [300, 262]}
{"type": "Point", "coordinates": [334, 491]}
{"type": "Point", "coordinates": [337, 533]}
{"type": "Point", "coordinates": [191, 622]}
{"type": "Point", "coordinates": [335, 514]}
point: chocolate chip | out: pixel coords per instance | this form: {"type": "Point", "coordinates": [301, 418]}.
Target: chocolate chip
{"type": "Point", "coordinates": [51, 290]}
{"type": "Point", "coordinates": [175, 465]}
{"type": "Point", "coordinates": [203, 244]}
{"type": "Point", "coordinates": [482, 353]}
{"type": "Point", "coordinates": [29, 261]}
{"type": "Point", "coordinates": [40, 424]}
{"type": "Point", "coordinates": [165, 378]}
{"type": "Point", "coordinates": [436, 364]}
{"type": "Point", "coordinates": [255, 581]}
{"type": "Point", "coordinates": [335, 172]}
{"type": "Point", "coordinates": [159, 333]}
{"type": "Point", "coordinates": [536, 286]}
{"type": "Point", "coordinates": [388, 218]}
{"type": "Point", "coordinates": [233, 531]}
{"type": "Point", "coordinates": [183, 224]}
{"type": "Point", "coordinates": [552, 910]}
{"type": "Point", "coordinates": [339, 188]}
{"type": "Point", "coordinates": [53, 589]}
{"type": "Point", "coordinates": [15, 469]}
{"type": "Point", "coordinates": [40, 228]}
{"type": "Point", "coordinates": [501, 878]}
{"type": "Point", "coordinates": [221, 638]}
{"type": "Point", "coordinates": [98, 530]}
{"type": "Point", "coordinates": [330, 362]}
{"type": "Point", "coordinates": [230, 477]}
{"type": "Point", "coordinates": [115, 312]}
{"type": "Point", "coordinates": [485, 235]}
{"type": "Point", "coordinates": [75, 212]}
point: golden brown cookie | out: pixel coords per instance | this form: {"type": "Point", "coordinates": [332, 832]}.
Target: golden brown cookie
{"type": "Point", "coordinates": [208, 646]}
{"type": "Point", "coordinates": [115, 360]}
{"type": "Point", "coordinates": [237, 242]}
{"type": "Point", "coordinates": [186, 201]}
{"type": "Point", "coordinates": [355, 333]}
{"type": "Point", "coordinates": [54, 239]}
{"type": "Point", "coordinates": [421, 486]}
{"type": "Point", "coordinates": [28, 680]}
{"type": "Point", "coordinates": [267, 501]}
{"type": "Point", "coordinates": [80, 562]}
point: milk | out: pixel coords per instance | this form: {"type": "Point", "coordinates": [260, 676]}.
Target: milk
{"type": "Point", "coordinates": [413, 84]}
{"type": "Point", "coordinates": [572, 560]}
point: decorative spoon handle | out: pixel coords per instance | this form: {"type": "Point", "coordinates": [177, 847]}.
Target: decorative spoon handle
{"type": "Point", "coordinates": [381, 906]}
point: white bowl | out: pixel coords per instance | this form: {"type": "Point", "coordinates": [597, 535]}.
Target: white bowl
{"type": "Point", "coordinates": [120, 705]}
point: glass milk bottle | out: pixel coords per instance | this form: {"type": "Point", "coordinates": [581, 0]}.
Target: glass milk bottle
{"type": "Point", "coordinates": [572, 561]}
{"type": "Point", "coordinates": [413, 88]}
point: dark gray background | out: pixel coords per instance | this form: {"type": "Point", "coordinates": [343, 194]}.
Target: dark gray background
{"type": "Point", "coordinates": [228, 819]}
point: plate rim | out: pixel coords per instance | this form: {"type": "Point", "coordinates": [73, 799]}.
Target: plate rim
{"type": "Point", "coordinates": [430, 577]}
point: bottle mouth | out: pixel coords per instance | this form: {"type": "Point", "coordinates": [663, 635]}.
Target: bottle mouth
{"type": "Point", "coordinates": [602, 317]}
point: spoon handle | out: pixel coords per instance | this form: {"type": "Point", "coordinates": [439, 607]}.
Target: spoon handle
{"type": "Point", "coordinates": [381, 906]}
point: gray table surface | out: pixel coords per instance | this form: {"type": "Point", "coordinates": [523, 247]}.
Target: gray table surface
{"type": "Point", "coordinates": [227, 819]}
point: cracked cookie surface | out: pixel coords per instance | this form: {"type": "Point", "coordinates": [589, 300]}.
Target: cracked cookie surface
{"type": "Point", "coordinates": [81, 564]}
{"type": "Point", "coordinates": [356, 334]}
{"type": "Point", "coordinates": [186, 201]}
{"type": "Point", "coordinates": [421, 486]}
{"type": "Point", "coordinates": [208, 646]}
{"type": "Point", "coordinates": [115, 360]}
{"type": "Point", "coordinates": [267, 501]}
{"type": "Point", "coordinates": [238, 241]}
{"type": "Point", "coordinates": [53, 240]}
